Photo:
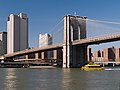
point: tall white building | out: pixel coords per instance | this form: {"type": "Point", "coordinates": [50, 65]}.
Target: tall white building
{"type": "Point", "coordinates": [17, 38]}
{"type": "Point", "coordinates": [3, 43]}
{"type": "Point", "coordinates": [45, 39]}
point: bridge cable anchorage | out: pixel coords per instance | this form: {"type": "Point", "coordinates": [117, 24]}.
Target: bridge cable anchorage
{"type": "Point", "coordinates": [100, 21]}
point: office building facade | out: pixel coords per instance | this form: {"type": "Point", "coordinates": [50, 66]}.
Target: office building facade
{"type": "Point", "coordinates": [17, 38]}
{"type": "Point", "coordinates": [45, 39]}
{"type": "Point", "coordinates": [107, 55]}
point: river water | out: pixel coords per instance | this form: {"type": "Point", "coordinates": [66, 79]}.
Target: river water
{"type": "Point", "coordinates": [58, 79]}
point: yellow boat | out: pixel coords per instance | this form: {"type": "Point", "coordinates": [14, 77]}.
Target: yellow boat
{"type": "Point", "coordinates": [92, 67]}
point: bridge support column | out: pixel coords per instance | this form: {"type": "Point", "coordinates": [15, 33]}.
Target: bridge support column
{"type": "Point", "coordinates": [26, 56]}
{"type": "Point", "coordinates": [74, 56]}
{"type": "Point", "coordinates": [64, 57]}
{"type": "Point", "coordinates": [79, 56]}
{"type": "Point", "coordinates": [89, 57]}
{"type": "Point", "coordinates": [67, 43]}
{"type": "Point", "coordinates": [36, 56]}
{"type": "Point", "coordinates": [55, 54]}
{"type": "Point", "coordinates": [42, 55]}
{"type": "Point", "coordinates": [67, 57]}
{"type": "Point", "coordinates": [58, 56]}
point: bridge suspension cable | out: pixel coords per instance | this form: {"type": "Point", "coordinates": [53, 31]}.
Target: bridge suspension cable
{"type": "Point", "coordinates": [57, 37]}
{"type": "Point", "coordinates": [100, 21]}
{"type": "Point", "coordinates": [55, 32]}
{"type": "Point", "coordinates": [103, 21]}
{"type": "Point", "coordinates": [54, 28]}
{"type": "Point", "coordinates": [100, 27]}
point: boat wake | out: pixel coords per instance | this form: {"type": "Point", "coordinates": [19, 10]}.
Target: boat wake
{"type": "Point", "coordinates": [110, 69]}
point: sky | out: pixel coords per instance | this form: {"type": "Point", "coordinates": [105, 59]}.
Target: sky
{"type": "Point", "coordinates": [45, 14]}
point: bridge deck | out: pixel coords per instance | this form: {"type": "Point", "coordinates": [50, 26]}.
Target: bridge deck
{"type": "Point", "coordinates": [50, 47]}
{"type": "Point", "coordinates": [98, 40]}
{"type": "Point", "coordinates": [88, 41]}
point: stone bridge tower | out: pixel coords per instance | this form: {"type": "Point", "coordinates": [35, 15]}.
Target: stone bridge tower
{"type": "Point", "coordinates": [74, 29]}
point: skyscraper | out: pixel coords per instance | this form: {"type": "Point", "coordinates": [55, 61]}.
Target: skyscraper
{"type": "Point", "coordinates": [3, 43]}
{"type": "Point", "coordinates": [17, 38]}
{"type": "Point", "coordinates": [45, 39]}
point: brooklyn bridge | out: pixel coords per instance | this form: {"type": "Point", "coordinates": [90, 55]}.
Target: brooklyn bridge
{"type": "Point", "coordinates": [73, 51]}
